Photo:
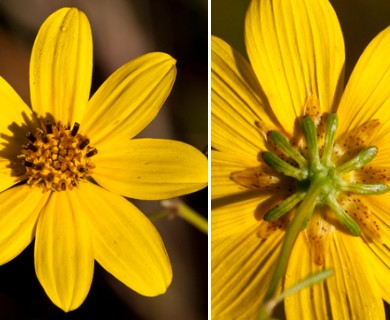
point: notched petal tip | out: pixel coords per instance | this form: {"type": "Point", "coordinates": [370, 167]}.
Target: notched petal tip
{"type": "Point", "coordinates": [160, 58]}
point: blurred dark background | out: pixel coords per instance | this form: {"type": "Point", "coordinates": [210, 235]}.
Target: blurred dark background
{"type": "Point", "coordinates": [123, 30]}
{"type": "Point", "coordinates": [360, 21]}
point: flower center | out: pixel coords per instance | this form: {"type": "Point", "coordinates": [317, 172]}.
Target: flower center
{"type": "Point", "coordinates": [311, 177]}
{"type": "Point", "coordinates": [56, 157]}
{"type": "Point", "coordinates": [319, 175]}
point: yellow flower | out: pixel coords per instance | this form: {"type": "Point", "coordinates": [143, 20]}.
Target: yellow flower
{"type": "Point", "coordinates": [50, 154]}
{"type": "Point", "coordinates": [300, 167]}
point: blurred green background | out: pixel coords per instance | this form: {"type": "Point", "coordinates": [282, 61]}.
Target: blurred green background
{"type": "Point", "coordinates": [123, 30]}
{"type": "Point", "coordinates": [360, 20]}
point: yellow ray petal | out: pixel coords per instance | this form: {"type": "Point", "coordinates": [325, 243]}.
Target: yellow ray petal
{"type": "Point", "coordinates": [380, 250]}
{"type": "Point", "coordinates": [235, 206]}
{"type": "Point", "coordinates": [354, 277]}
{"type": "Point", "coordinates": [7, 180]}
{"type": "Point", "coordinates": [16, 120]}
{"type": "Point", "coordinates": [150, 169]}
{"type": "Point", "coordinates": [319, 232]}
{"type": "Point", "coordinates": [378, 259]}
{"type": "Point", "coordinates": [241, 269]}
{"type": "Point", "coordinates": [352, 293]}
{"type": "Point", "coordinates": [125, 242]}
{"type": "Point", "coordinates": [296, 49]}
{"type": "Point", "coordinates": [383, 156]}
{"type": "Point", "coordinates": [61, 66]}
{"type": "Point", "coordinates": [231, 218]}
{"type": "Point", "coordinates": [379, 205]}
{"type": "Point", "coordinates": [301, 265]}
{"type": "Point", "coordinates": [63, 252]}
{"type": "Point", "coordinates": [130, 98]}
{"type": "Point", "coordinates": [223, 164]}
{"type": "Point", "coordinates": [367, 94]}
{"type": "Point", "coordinates": [239, 120]}
{"type": "Point", "coordinates": [19, 207]}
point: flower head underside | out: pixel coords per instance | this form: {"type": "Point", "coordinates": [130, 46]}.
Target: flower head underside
{"type": "Point", "coordinates": [300, 176]}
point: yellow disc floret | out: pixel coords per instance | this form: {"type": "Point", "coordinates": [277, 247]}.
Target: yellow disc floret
{"type": "Point", "coordinates": [56, 157]}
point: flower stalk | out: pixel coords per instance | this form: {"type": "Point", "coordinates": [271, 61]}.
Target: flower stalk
{"type": "Point", "coordinates": [179, 208]}
{"type": "Point", "coordinates": [319, 182]}
{"type": "Point", "coordinates": [302, 214]}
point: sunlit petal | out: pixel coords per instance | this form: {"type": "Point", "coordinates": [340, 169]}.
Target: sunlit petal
{"type": "Point", "coordinates": [240, 272]}
{"type": "Point", "coordinates": [17, 119]}
{"type": "Point", "coordinates": [237, 112]}
{"type": "Point", "coordinates": [125, 242]}
{"type": "Point", "coordinates": [367, 95]}
{"type": "Point", "coordinates": [20, 208]}
{"type": "Point", "coordinates": [63, 252]}
{"type": "Point", "coordinates": [130, 98]}
{"type": "Point", "coordinates": [380, 250]}
{"type": "Point", "coordinates": [223, 165]}
{"type": "Point", "coordinates": [61, 66]}
{"type": "Point", "coordinates": [350, 294]}
{"type": "Point", "coordinates": [151, 169]}
{"type": "Point", "coordinates": [296, 49]}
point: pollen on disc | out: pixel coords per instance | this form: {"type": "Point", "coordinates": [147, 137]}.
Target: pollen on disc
{"type": "Point", "coordinates": [57, 157]}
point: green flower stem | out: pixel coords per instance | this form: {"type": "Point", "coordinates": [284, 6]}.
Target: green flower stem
{"type": "Point", "coordinates": [178, 208]}
{"type": "Point", "coordinates": [330, 132]}
{"type": "Point", "coordinates": [302, 214]}
{"type": "Point", "coordinates": [310, 133]}
{"type": "Point", "coordinates": [193, 217]}
{"type": "Point", "coordinates": [266, 311]}
{"type": "Point", "coordinates": [362, 158]}
{"type": "Point", "coordinates": [285, 206]}
{"type": "Point", "coordinates": [282, 166]}
{"type": "Point", "coordinates": [319, 181]}
{"type": "Point", "coordinates": [343, 217]}
{"type": "Point", "coordinates": [282, 142]}
{"type": "Point", "coordinates": [360, 188]}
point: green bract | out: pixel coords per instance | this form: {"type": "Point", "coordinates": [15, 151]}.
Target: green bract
{"type": "Point", "coordinates": [319, 173]}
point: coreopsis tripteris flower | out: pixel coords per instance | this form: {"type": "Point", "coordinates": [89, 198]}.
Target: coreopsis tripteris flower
{"type": "Point", "coordinates": [67, 162]}
{"type": "Point", "coordinates": [300, 167]}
